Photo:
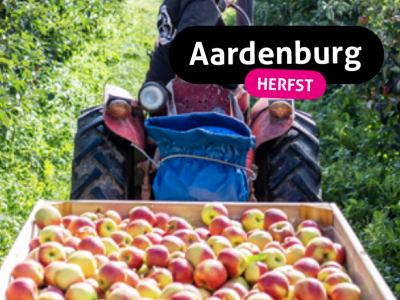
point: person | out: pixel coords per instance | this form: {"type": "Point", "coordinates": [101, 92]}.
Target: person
{"type": "Point", "coordinates": [175, 16]}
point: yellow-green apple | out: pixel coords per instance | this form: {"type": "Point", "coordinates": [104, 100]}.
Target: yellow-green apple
{"type": "Point", "coordinates": [112, 214]}
{"type": "Point", "coordinates": [170, 290]}
{"type": "Point", "coordinates": [240, 280]}
{"type": "Point", "coordinates": [85, 260]}
{"type": "Point", "coordinates": [188, 236]}
{"type": "Point", "coordinates": [101, 260]}
{"type": "Point", "coordinates": [321, 249]}
{"type": "Point", "coordinates": [132, 279]}
{"type": "Point", "coordinates": [123, 225]}
{"type": "Point", "coordinates": [105, 227]}
{"type": "Point", "coordinates": [66, 233]}
{"type": "Point", "coordinates": [50, 272]}
{"type": "Point", "coordinates": [113, 287]}
{"type": "Point", "coordinates": [234, 261]}
{"type": "Point", "coordinates": [308, 266]}
{"type": "Point", "coordinates": [291, 293]}
{"type": "Point", "coordinates": [30, 269]}
{"type": "Point", "coordinates": [280, 230]}
{"type": "Point", "coordinates": [235, 235]}
{"type": "Point", "coordinates": [114, 256]}
{"type": "Point", "coordinates": [154, 238]}
{"type": "Point", "coordinates": [294, 253]}
{"type": "Point", "coordinates": [96, 286]}
{"type": "Point", "coordinates": [246, 252]}
{"type": "Point", "coordinates": [50, 296]}
{"type": "Point", "coordinates": [121, 237]}
{"type": "Point", "coordinates": [237, 224]}
{"type": "Point", "coordinates": [142, 213]}
{"type": "Point", "coordinates": [227, 294]}
{"type": "Point", "coordinates": [252, 219]}
{"type": "Point", "coordinates": [68, 251]}
{"type": "Point", "coordinates": [53, 289]}
{"type": "Point", "coordinates": [218, 225]}
{"type": "Point", "coordinates": [110, 273]}
{"type": "Point", "coordinates": [175, 255]}
{"type": "Point", "coordinates": [181, 270]}
{"type": "Point", "coordinates": [68, 274]}
{"type": "Point", "coordinates": [210, 274]}
{"type": "Point", "coordinates": [157, 256]}
{"type": "Point", "coordinates": [81, 291]}
{"type": "Point", "coordinates": [132, 256]}
{"type": "Point", "coordinates": [253, 249]}
{"type": "Point", "coordinates": [217, 243]}
{"type": "Point", "coordinates": [204, 293]}
{"type": "Point", "coordinates": [93, 245]}
{"type": "Point", "coordinates": [138, 227]}
{"type": "Point", "coordinates": [50, 252]}
{"type": "Point", "coordinates": [290, 241]}
{"type": "Point", "coordinates": [186, 295]}
{"type": "Point", "coordinates": [274, 284]}
{"type": "Point", "coordinates": [237, 287]}
{"type": "Point", "coordinates": [124, 293]}
{"type": "Point", "coordinates": [324, 273]}
{"type": "Point", "coordinates": [34, 254]}
{"type": "Point", "coordinates": [22, 289]}
{"type": "Point", "coordinates": [203, 233]}
{"type": "Point", "coordinates": [273, 215]}
{"type": "Point", "coordinates": [51, 233]}
{"type": "Point", "coordinates": [276, 245]}
{"type": "Point", "coordinates": [68, 219]}
{"type": "Point", "coordinates": [306, 234]}
{"type": "Point", "coordinates": [341, 253]}
{"type": "Point", "coordinates": [110, 245]}
{"type": "Point", "coordinates": [333, 264]}
{"type": "Point", "coordinates": [163, 277]}
{"type": "Point", "coordinates": [176, 223]}
{"type": "Point", "coordinates": [173, 243]}
{"type": "Point", "coordinates": [91, 216]}
{"type": "Point", "coordinates": [212, 210]}
{"type": "Point", "coordinates": [252, 231]}
{"type": "Point", "coordinates": [78, 223]}
{"type": "Point", "coordinates": [199, 252]}
{"type": "Point", "coordinates": [85, 231]}
{"type": "Point", "coordinates": [260, 238]}
{"type": "Point", "coordinates": [143, 270]}
{"type": "Point", "coordinates": [334, 279]}
{"type": "Point", "coordinates": [34, 243]}
{"type": "Point", "coordinates": [161, 221]}
{"type": "Point", "coordinates": [254, 271]}
{"type": "Point", "coordinates": [46, 216]}
{"type": "Point", "coordinates": [148, 290]}
{"type": "Point", "coordinates": [72, 242]}
{"type": "Point", "coordinates": [259, 296]}
{"type": "Point", "coordinates": [309, 288]}
{"type": "Point", "coordinates": [274, 258]}
{"type": "Point", "coordinates": [141, 242]}
{"type": "Point", "coordinates": [308, 223]}
{"type": "Point", "coordinates": [292, 275]}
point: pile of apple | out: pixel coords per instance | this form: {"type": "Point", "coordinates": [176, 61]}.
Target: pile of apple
{"type": "Point", "coordinates": [157, 256]}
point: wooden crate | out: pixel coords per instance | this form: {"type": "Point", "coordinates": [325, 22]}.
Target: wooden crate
{"type": "Point", "coordinates": [359, 265]}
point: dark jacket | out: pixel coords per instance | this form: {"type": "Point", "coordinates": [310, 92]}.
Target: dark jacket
{"type": "Point", "coordinates": [175, 16]}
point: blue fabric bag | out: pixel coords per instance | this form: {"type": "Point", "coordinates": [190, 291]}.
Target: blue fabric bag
{"type": "Point", "coordinates": [209, 135]}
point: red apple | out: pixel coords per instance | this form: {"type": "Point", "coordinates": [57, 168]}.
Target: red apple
{"type": "Point", "coordinates": [273, 215]}
{"type": "Point", "coordinates": [203, 233]}
{"type": "Point", "coordinates": [217, 243]}
{"type": "Point", "coordinates": [141, 242]}
{"type": "Point", "coordinates": [22, 289]}
{"type": "Point", "coordinates": [81, 291]}
{"type": "Point", "coordinates": [67, 275]}
{"type": "Point", "coordinates": [252, 219]}
{"type": "Point", "coordinates": [324, 273]}
{"type": "Point", "coordinates": [132, 278]}
{"type": "Point", "coordinates": [235, 235]}
{"type": "Point", "coordinates": [334, 279]}
{"type": "Point", "coordinates": [30, 269]}
{"type": "Point", "coordinates": [227, 294]}
{"type": "Point", "coordinates": [275, 245]}
{"type": "Point", "coordinates": [308, 223]}
{"type": "Point", "coordinates": [114, 256]}
{"type": "Point", "coordinates": [157, 256]}
{"type": "Point", "coordinates": [175, 255]}
{"type": "Point", "coordinates": [110, 273]}
{"type": "Point", "coordinates": [260, 238]}
{"type": "Point", "coordinates": [210, 274]}
{"type": "Point", "coordinates": [105, 227]}
{"type": "Point", "coordinates": [341, 253]}
{"type": "Point", "coordinates": [138, 227]}
{"type": "Point", "coordinates": [309, 288]}
{"type": "Point", "coordinates": [50, 296]}
{"type": "Point", "coordinates": [253, 249]}
{"type": "Point", "coordinates": [186, 295]}
{"type": "Point", "coordinates": [148, 289]}
{"type": "Point", "coordinates": [72, 242]}
{"type": "Point", "coordinates": [161, 221]}
{"type": "Point", "coordinates": [294, 254]}
{"type": "Point", "coordinates": [333, 264]}
{"type": "Point", "coordinates": [306, 234]}
{"type": "Point", "coordinates": [162, 276]}
{"type": "Point", "coordinates": [93, 245]}
{"type": "Point", "coordinates": [35, 243]}
{"type": "Point", "coordinates": [280, 230]}
{"type": "Point", "coordinates": [91, 216]}
{"type": "Point", "coordinates": [321, 249]}
{"type": "Point", "coordinates": [124, 293]}
{"type": "Point", "coordinates": [46, 216]}
{"type": "Point", "coordinates": [142, 213]}
{"type": "Point", "coordinates": [199, 252]}
{"type": "Point", "coordinates": [290, 241]}
{"type": "Point", "coordinates": [234, 261]}
{"type": "Point", "coordinates": [292, 275]}
{"type": "Point", "coordinates": [121, 237]}
{"type": "Point", "coordinates": [50, 252]}
{"type": "Point", "coordinates": [254, 271]}
{"type": "Point", "coordinates": [132, 256]}
{"type": "Point", "coordinates": [115, 216]}
{"type": "Point", "coordinates": [260, 296]}
{"type": "Point", "coordinates": [68, 219]}
{"type": "Point", "coordinates": [308, 266]}
{"type": "Point", "coordinates": [219, 224]}
{"type": "Point", "coordinates": [176, 223]}
{"type": "Point", "coordinates": [274, 284]}
{"type": "Point", "coordinates": [188, 236]}
{"type": "Point", "coordinates": [51, 233]}
{"type": "Point", "coordinates": [78, 223]}
{"type": "Point", "coordinates": [173, 243]}
{"type": "Point", "coordinates": [154, 238]}
{"type": "Point", "coordinates": [212, 210]}
{"type": "Point", "coordinates": [101, 260]}
{"type": "Point", "coordinates": [50, 272]}
{"type": "Point", "coordinates": [239, 288]}
{"type": "Point", "coordinates": [85, 231]}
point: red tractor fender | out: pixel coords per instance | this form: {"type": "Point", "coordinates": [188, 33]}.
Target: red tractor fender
{"type": "Point", "coordinates": [130, 128]}
{"type": "Point", "coordinates": [264, 126]}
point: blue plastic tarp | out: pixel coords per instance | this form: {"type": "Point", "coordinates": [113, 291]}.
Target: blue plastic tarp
{"type": "Point", "coordinates": [209, 135]}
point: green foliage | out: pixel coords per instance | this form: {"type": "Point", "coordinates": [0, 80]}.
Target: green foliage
{"type": "Point", "coordinates": [37, 147]}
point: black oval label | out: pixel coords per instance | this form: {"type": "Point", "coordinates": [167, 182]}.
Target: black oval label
{"type": "Point", "coordinates": [223, 55]}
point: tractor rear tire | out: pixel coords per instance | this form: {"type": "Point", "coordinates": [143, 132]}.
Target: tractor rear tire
{"type": "Point", "coordinates": [103, 162]}
{"type": "Point", "coordinates": [289, 169]}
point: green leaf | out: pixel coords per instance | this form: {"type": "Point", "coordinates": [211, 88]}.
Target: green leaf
{"type": "Point", "coordinates": [258, 257]}
{"type": "Point", "coordinates": [3, 118]}
{"type": "Point", "coordinates": [395, 69]}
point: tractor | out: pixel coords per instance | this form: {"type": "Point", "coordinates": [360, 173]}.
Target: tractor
{"type": "Point", "coordinates": [113, 153]}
